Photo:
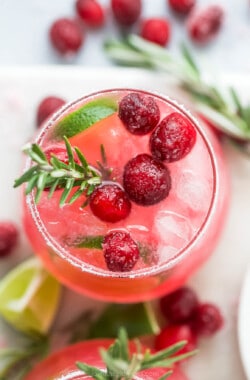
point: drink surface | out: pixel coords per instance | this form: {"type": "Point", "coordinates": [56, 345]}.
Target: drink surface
{"type": "Point", "coordinates": [164, 231]}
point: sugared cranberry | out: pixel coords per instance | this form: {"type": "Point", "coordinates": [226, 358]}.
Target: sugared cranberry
{"type": "Point", "coordinates": [156, 30]}
{"type": "Point", "coordinates": [8, 237]}
{"type": "Point", "coordinates": [146, 180]}
{"type": "Point", "coordinates": [173, 138]}
{"type": "Point", "coordinates": [110, 203]}
{"type": "Point", "coordinates": [91, 12]}
{"type": "Point", "coordinates": [205, 24]}
{"type": "Point", "coordinates": [121, 252]}
{"type": "Point", "coordinates": [180, 305]}
{"type": "Point", "coordinates": [181, 6]}
{"type": "Point", "coordinates": [139, 113]}
{"type": "Point", "coordinates": [126, 12]}
{"type": "Point", "coordinates": [66, 36]}
{"type": "Point", "coordinates": [173, 334]}
{"type": "Point", "coordinates": [47, 107]}
{"type": "Point", "coordinates": [207, 320]}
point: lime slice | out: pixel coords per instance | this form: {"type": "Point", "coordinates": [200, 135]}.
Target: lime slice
{"type": "Point", "coordinates": [84, 117]}
{"type": "Point", "coordinates": [138, 320]}
{"type": "Point", "coordinates": [29, 297]}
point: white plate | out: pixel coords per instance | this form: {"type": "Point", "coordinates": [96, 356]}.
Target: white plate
{"type": "Point", "coordinates": [219, 280]}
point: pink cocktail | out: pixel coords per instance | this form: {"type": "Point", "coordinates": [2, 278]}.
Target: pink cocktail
{"type": "Point", "coordinates": [62, 364]}
{"type": "Point", "coordinates": [173, 234]}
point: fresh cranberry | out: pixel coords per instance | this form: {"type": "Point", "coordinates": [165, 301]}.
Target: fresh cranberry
{"type": "Point", "coordinates": [173, 334]}
{"type": "Point", "coordinates": [47, 107]}
{"type": "Point", "coordinates": [146, 180]}
{"type": "Point", "coordinates": [205, 24]}
{"type": "Point", "coordinates": [91, 12]}
{"type": "Point", "coordinates": [180, 305]}
{"type": "Point", "coordinates": [181, 6]}
{"type": "Point", "coordinates": [139, 113]}
{"type": "Point", "coordinates": [121, 252]}
{"type": "Point", "coordinates": [173, 138]}
{"type": "Point", "coordinates": [207, 320]}
{"type": "Point", "coordinates": [156, 30]}
{"type": "Point", "coordinates": [126, 12]}
{"type": "Point", "coordinates": [110, 203]}
{"type": "Point", "coordinates": [8, 237]}
{"type": "Point", "coordinates": [66, 36]}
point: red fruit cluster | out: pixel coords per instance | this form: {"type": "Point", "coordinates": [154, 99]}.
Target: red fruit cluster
{"type": "Point", "coordinates": [67, 34]}
{"type": "Point", "coordinates": [187, 318]}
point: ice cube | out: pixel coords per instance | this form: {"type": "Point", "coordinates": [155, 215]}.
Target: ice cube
{"type": "Point", "coordinates": [194, 191]}
{"type": "Point", "coordinates": [173, 230]}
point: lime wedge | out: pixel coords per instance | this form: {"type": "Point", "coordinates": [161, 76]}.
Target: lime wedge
{"type": "Point", "coordinates": [138, 320]}
{"type": "Point", "coordinates": [29, 297]}
{"type": "Point", "coordinates": [84, 117]}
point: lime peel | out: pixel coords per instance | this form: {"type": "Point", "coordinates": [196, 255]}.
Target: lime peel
{"type": "Point", "coordinates": [84, 117]}
{"type": "Point", "coordinates": [29, 297]}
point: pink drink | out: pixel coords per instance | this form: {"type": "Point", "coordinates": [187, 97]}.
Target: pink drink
{"type": "Point", "coordinates": [62, 364]}
{"type": "Point", "coordinates": [176, 234]}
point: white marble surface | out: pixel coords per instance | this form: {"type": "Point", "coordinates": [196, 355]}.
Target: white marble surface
{"type": "Point", "coordinates": [24, 26]}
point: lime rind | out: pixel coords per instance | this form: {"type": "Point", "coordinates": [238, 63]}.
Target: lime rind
{"type": "Point", "coordinates": [29, 297]}
{"type": "Point", "coordinates": [84, 117]}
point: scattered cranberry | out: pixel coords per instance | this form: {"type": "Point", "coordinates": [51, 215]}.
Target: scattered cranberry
{"type": "Point", "coordinates": [110, 203]}
{"type": "Point", "coordinates": [146, 180]}
{"type": "Point", "coordinates": [173, 138]}
{"type": "Point", "coordinates": [180, 305]}
{"type": "Point", "coordinates": [121, 252]}
{"type": "Point", "coordinates": [181, 6]}
{"type": "Point", "coordinates": [126, 12]}
{"type": "Point", "coordinates": [66, 36]}
{"type": "Point", "coordinates": [204, 25]}
{"type": "Point", "coordinates": [91, 12]}
{"type": "Point", "coordinates": [207, 320]}
{"type": "Point", "coordinates": [139, 113]}
{"type": "Point", "coordinates": [47, 107]}
{"type": "Point", "coordinates": [173, 334]}
{"type": "Point", "coordinates": [156, 30]}
{"type": "Point", "coordinates": [8, 237]}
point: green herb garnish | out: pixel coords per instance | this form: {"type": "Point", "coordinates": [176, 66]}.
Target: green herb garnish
{"type": "Point", "coordinates": [54, 173]}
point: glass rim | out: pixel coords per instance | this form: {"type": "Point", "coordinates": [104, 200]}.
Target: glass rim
{"type": "Point", "coordinates": [156, 269]}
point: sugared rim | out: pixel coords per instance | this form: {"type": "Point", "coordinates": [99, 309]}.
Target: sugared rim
{"type": "Point", "coordinates": [154, 270]}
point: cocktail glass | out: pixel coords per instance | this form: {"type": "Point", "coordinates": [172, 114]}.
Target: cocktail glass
{"type": "Point", "coordinates": [175, 235]}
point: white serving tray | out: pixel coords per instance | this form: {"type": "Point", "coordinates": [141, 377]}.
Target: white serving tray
{"type": "Point", "coordinates": [219, 280]}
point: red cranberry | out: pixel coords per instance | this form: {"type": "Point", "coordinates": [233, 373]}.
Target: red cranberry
{"type": "Point", "coordinates": [139, 113]}
{"type": "Point", "coordinates": [207, 320]}
{"type": "Point", "coordinates": [181, 6]}
{"type": "Point", "coordinates": [156, 30]}
{"type": "Point", "coordinates": [59, 151]}
{"type": "Point", "coordinates": [146, 180]}
{"type": "Point", "coordinates": [174, 334]}
{"type": "Point", "coordinates": [173, 138]}
{"type": "Point", "coordinates": [126, 12]}
{"type": "Point", "coordinates": [180, 305]}
{"type": "Point", "coordinates": [66, 36]}
{"type": "Point", "coordinates": [205, 24]}
{"type": "Point", "coordinates": [47, 107]}
{"type": "Point", "coordinates": [121, 252]}
{"type": "Point", "coordinates": [91, 12]}
{"type": "Point", "coordinates": [110, 203]}
{"type": "Point", "coordinates": [8, 237]}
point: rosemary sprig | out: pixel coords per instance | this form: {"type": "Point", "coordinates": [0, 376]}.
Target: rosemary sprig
{"type": "Point", "coordinates": [224, 111]}
{"type": "Point", "coordinates": [122, 365]}
{"type": "Point", "coordinates": [53, 174]}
